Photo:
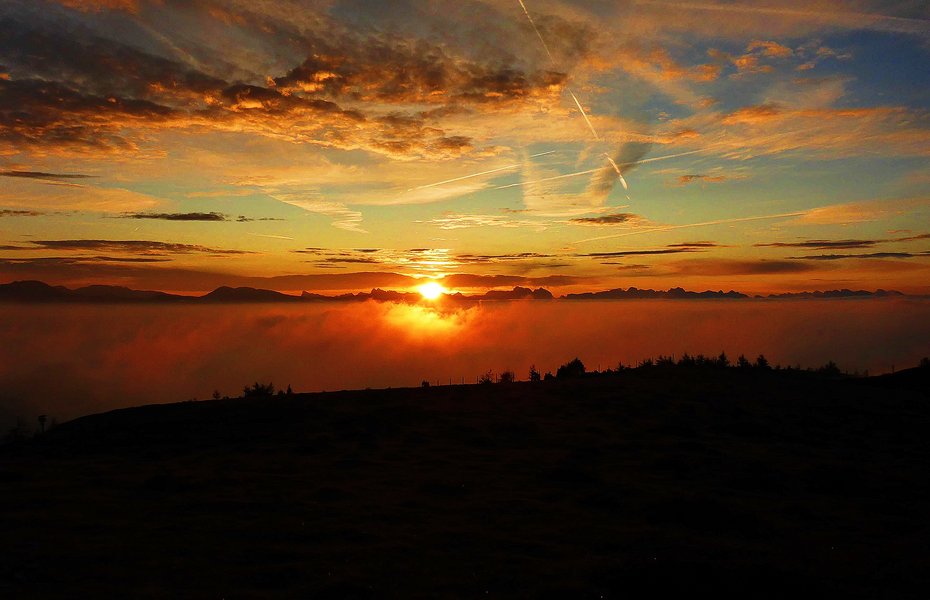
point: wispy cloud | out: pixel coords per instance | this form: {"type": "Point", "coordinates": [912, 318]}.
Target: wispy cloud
{"type": "Point", "coordinates": [131, 247]}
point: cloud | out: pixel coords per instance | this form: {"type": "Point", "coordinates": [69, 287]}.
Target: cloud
{"type": "Point", "coordinates": [131, 247]}
{"type": "Point", "coordinates": [355, 89]}
{"type": "Point", "coordinates": [686, 179]}
{"type": "Point", "coordinates": [41, 175]}
{"type": "Point", "coordinates": [194, 216]}
{"type": "Point", "coordinates": [861, 212]}
{"type": "Point", "coordinates": [131, 6]}
{"type": "Point", "coordinates": [627, 219]}
{"type": "Point", "coordinates": [870, 255]}
{"type": "Point", "coordinates": [147, 354]}
{"type": "Point", "coordinates": [642, 252]}
{"type": "Point", "coordinates": [20, 213]}
{"type": "Point", "coordinates": [399, 71]}
{"type": "Point", "coordinates": [459, 221]}
{"type": "Point", "coordinates": [769, 48]}
{"type": "Point", "coordinates": [465, 280]}
{"type": "Point", "coordinates": [822, 244]}
{"type": "Point", "coordinates": [720, 267]}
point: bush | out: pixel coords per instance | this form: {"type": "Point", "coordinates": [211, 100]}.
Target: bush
{"type": "Point", "coordinates": [507, 377]}
{"type": "Point", "coordinates": [258, 390]}
{"type": "Point", "coordinates": [487, 378]}
{"type": "Point", "coordinates": [573, 368]}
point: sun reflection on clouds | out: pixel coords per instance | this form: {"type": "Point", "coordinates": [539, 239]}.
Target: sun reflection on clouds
{"type": "Point", "coordinates": [427, 321]}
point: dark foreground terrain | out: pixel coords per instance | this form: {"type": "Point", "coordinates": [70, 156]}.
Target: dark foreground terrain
{"type": "Point", "coordinates": [653, 483]}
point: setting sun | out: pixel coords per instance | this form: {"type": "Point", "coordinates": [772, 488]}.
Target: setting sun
{"type": "Point", "coordinates": [431, 290]}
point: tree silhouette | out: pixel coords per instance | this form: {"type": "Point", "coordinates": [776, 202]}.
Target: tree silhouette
{"type": "Point", "coordinates": [742, 362]}
{"type": "Point", "coordinates": [534, 374]}
{"type": "Point", "coordinates": [507, 377]}
{"type": "Point", "coordinates": [573, 368]}
{"type": "Point", "coordinates": [762, 362]}
{"type": "Point", "coordinates": [487, 378]}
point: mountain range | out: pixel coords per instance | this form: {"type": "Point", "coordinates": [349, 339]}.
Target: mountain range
{"type": "Point", "coordinates": [39, 292]}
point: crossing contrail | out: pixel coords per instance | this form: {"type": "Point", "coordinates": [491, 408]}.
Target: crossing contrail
{"type": "Point", "coordinates": [589, 171]}
{"type": "Point", "coordinates": [488, 172]}
{"type": "Point", "coordinates": [617, 169]}
{"type": "Point", "coordinates": [552, 59]}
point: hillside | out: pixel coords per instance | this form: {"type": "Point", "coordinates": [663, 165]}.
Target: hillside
{"type": "Point", "coordinates": [654, 482]}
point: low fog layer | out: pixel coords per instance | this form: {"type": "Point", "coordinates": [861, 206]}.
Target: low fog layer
{"type": "Point", "coordinates": [66, 361]}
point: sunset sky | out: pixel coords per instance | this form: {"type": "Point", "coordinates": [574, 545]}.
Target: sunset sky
{"type": "Point", "coordinates": [340, 145]}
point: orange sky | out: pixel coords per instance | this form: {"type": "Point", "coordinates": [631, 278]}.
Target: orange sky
{"type": "Point", "coordinates": [340, 145]}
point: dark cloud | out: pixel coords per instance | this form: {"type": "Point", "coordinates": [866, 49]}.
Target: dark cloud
{"type": "Point", "coordinates": [72, 272]}
{"type": "Point", "coordinates": [607, 220]}
{"type": "Point", "coordinates": [78, 260]}
{"type": "Point", "coordinates": [194, 216]}
{"type": "Point", "coordinates": [642, 252]}
{"type": "Point", "coordinates": [245, 219]}
{"type": "Point", "coordinates": [823, 244]}
{"type": "Point", "coordinates": [700, 244]}
{"type": "Point", "coordinates": [922, 236]}
{"type": "Point", "coordinates": [37, 112]}
{"type": "Point", "coordinates": [468, 280]}
{"type": "Point", "coordinates": [727, 267]}
{"type": "Point", "coordinates": [131, 247]}
{"type": "Point", "coordinates": [73, 90]}
{"type": "Point", "coordinates": [870, 255]}
{"type": "Point", "coordinates": [391, 69]}
{"type": "Point", "coordinates": [41, 175]}
{"type": "Point", "coordinates": [20, 213]}
{"type": "Point", "coordinates": [499, 258]}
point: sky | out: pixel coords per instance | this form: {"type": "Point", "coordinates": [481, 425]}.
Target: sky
{"type": "Point", "coordinates": [341, 145]}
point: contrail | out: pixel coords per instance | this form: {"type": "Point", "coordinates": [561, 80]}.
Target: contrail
{"type": "Point", "coordinates": [589, 171]}
{"type": "Point", "coordinates": [704, 224]}
{"type": "Point", "coordinates": [274, 237]}
{"type": "Point", "coordinates": [488, 172]}
{"type": "Point", "coordinates": [583, 113]}
{"type": "Point", "coordinates": [617, 169]}
{"type": "Point", "coordinates": [552, 59]}
{"type": "Point", "coordinates": [536, 29]}
{"type": "Point", "coordinates": [522, 183]}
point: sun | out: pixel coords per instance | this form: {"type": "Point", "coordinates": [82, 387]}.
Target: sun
{"type": "Point", "coordinates": [431, 290]}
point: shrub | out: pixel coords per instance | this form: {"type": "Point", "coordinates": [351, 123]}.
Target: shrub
{"type": "Point", "coordinates": [573, 368]}
{"type": "Point", "coordinates": [487, 378]}
{"type": "Point", "coordinates": [258, 390]}
{"type": "Point", "coordinates": [507, 377]}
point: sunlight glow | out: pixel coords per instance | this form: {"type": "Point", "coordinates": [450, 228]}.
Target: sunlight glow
{"type": "Point", "coordinates": [431, 290]}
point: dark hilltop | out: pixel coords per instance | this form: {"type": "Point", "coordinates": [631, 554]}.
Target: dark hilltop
{"type": "Point", "coordinates": [664, 480]}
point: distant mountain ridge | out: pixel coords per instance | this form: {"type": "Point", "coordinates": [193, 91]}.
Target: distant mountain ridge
{"type": "Point", "coordinates": [39, 292]}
